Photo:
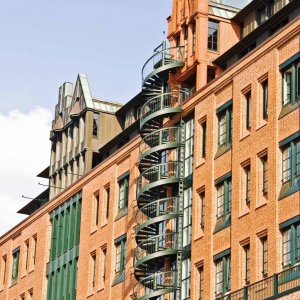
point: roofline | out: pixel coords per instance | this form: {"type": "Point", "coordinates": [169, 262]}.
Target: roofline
{"type": "Point", "coordinates": [246, 41]}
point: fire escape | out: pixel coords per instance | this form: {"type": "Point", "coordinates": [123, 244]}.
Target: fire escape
{"type": "Point", "coordinates": [157, 258]}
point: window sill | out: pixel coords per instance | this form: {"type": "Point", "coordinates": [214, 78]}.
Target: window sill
{"type": "Point", "coordinates": [261, 204]}
{"type": "Point", "coordinates": [104, 224]}
{"type": "Point", "coordinates": [262, 124]}
{"type": "Point", "coordinates": [118, 279]}
{"type": "Point", "coordinates": [93, 230]}
{"type": "Point", "coordinates": [222, 224]}
{"type": "Point", "coordinates": [13, 284]}
{"type": "Point", "coordinates": [200, 163]}
{"type": "Point", "coordinates": [245, 135]}
{"type": "Point", "coordinates": [288, 108]}
{"type": "Point", "coordinates": [101, 288]}
{"type": "Point", "coordinates": [244, 212]}
{"type": "Point", "coordinates": [289, 188]}
{"type": "Point", "coordinates": [90, 294]}
{"type": "Point", "coordinates": [199, 235]}
{"type": "Point", "coordinates": [222, 150]}
{"type": "Point", "coordinates": [121, 214]}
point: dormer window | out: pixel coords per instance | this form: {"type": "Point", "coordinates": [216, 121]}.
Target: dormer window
{"type": "Point", "coordinates": [265, 12]}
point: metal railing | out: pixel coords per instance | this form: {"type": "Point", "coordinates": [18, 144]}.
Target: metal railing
{"type": "Point", "coordinates": [166, 100]}
{"type": "Point", "coordinates": [171, 169]}
{"type": "Point", "coordinates": [162, 58]}
{"type": "Point", "coordinates": [161, 280]}
{"type": "Point", "coordinates": [271, 286]}
{"type": "Point", "coordinates": [160, 137]}
{"type": "Point", "coordinates": [158, 208]}
{"type": "Point", "coordinates": [157, 243]}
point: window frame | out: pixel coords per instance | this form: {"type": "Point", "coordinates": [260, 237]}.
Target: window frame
{"type": "Point", "coordinates": [15, 265]}
{"type": "Point", "coordinates": [265, 98]}
{"type": "Point", "coordinates": [226, 195]}
{"type": "Point", "coordinates": [123, 196]}
{"type": "Point", "coordinates": [227, 114]}
{"type": "Point", "coordinates": [213, 33]}
{"type": "Point", "coordinates": [225, 275]}
{"type": "Point", "coordinates": [290, 87]}
{"type": "Point", "coordinates": [95, 124]}
{"type": "Point", "coordinates": [120, 262]}
{"type": "Point", "coordinates": [291, 238]}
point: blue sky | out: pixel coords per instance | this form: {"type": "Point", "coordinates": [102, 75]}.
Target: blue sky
{"type": "Point", "coordinates": [47, 42]}
{"type": "Point", "coordinates": [44, 43]}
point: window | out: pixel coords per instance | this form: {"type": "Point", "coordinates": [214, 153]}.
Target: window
{"type": "Point", "coordinates": [106, 204]}
{"type": "Point", "coordinates": [222, 275]}
{"type": "Point", "coordinates": [186, 279]}
{"type": "Point", "coordinates": [247, 174]}
{"type": "Point", "coordinates": [93, 260]}
{"type": "Point", "coordinates": [189, 147]}
{"type": "Point", "coordinates": [95, 124]}
{"type": "Point", "coordinates": [203, 139]}
{"type": "Point", "coordinates": [187, 217]}
{"type": "Point", "coordinates": [123, 193]}
{"type": "Point", "coordinates": [225, 127]}
{"type": "Point", "coordinates": [95, 210]}
{"type": "Point", "coordinates": [264, 256]}
{"type": "Point", "coordinates": [286, 164]}
{"type": "Point", "coordinates": [265, 96]}
{"type": "Point", "coordinates": [247, 264]}
{"type": "Point", "coordinates": [193, 37]}
{"type": "Point", "coordinates": [265, 12]}
{"type": "Point", "coordinates": [287, 86]}
{"type": "Point", "coordinates": [291, 245]}
{"type": "Point", "coordinates": [15, 265]}
{"type": "Point", "coordinates": [202, 205]}
{"type": "Point", "coordinates": [200, 271]}
{"type": "Point", "coordinates": [33, 252]}
{"type": "Point", "coordinates": [224, 199]}
{"type": "Point", "coordinates": [213, 33]}
{"type": "Point", "coordinates": [103, 266]}
{"type": "Point", "coordinates": [3, 270]}
{"type": "Point", "coordinates": [22, 296]}
{"type": "Point", "coordinates": [291, 161]}
{"type": "Point", "coordinates": [291, 83]}
{"type": "Point", "coordinates": [120, 261]}
{"type": "Point", "coordinates": [248, 110]}
{"type": "Point", "coordinates": [185, 40]}
{"type": "Point", "coordinates": [26, 256]}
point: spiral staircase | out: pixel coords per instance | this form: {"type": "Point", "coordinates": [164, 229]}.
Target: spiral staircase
{"type": "Point", "coordinates": [157, 258]}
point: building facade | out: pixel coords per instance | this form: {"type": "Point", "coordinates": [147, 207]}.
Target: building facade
{"type": "Point", "coordinates": [191, 190]}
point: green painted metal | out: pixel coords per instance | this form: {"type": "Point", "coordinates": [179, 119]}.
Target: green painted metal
{"type": "Point", "coordinates": [62, 270]}
{"type": "Point", "coordinates": [155, 243]}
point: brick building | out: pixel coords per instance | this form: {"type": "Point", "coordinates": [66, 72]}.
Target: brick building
{"type": "Point", "coordinates": [191, 190]}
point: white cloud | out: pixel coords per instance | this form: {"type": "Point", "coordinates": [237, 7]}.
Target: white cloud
{"type": "Point", "coordinates": [24, 152]}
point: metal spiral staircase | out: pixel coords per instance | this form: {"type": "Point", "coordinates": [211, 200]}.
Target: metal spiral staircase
{"type": "Point", "coordinates": [157, 258]}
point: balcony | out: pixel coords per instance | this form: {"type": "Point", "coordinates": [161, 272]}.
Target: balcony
{"type": "Point", "coordinates": [273, 287]}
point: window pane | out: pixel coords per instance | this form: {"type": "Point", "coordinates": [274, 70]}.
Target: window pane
{"type": "Point", "coordinates": [286, 164]}
{"type": "Point", "coordinates": [286, 245]}
{"type": "Point", "coordinates": [287, 78]}
{"type": "Point", "coordinates": [213, 28]}
{"type": "Point", "coordinates": [298, 159]}
{"type": "Point", "coordinates": [222, 129]}
{"type": "Point", "coordinates": [220, 201]}
{"type": "Point", "coordinates": [219, 277]}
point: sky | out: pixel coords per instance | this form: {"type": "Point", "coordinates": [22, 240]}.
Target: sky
{"type": "Point", "coordinates": [45, 43]}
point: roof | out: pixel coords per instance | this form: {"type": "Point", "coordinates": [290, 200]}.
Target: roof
{"type": "Point", "coordinates": [253, 35]}
{"type": "Point", "coordinates": [106, 106]}
{"type": "Point", "coordinates": [222, 10]}
{"type": "Point", "coordinates": [239, 17]}
{"type": "Point", "coordinates": [44, 173]}
{"type": "Point", "coordinates": [134, 102]}
{"type": "Point", "coordinates": [35, 204]}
